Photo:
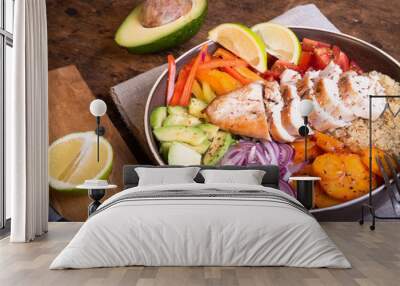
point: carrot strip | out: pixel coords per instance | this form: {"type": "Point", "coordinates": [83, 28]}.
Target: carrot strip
{"type": "Point", "coordinates": [187, 90]}
{"type": "Point", "coordinates": [171, 77]}
{"type": "Point", "coordinates": [220, 63]}
{"type": "Point", "coordinates": [236, 75]}
{"type": "Point", "coordinates": [224, 54]}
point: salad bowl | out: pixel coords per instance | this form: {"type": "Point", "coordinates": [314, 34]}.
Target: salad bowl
{"type": "Point", "coordinates": [366, 55]}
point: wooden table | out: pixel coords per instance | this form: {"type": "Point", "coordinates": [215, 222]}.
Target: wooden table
{"type": "Point", "coordinates": [81, 33]}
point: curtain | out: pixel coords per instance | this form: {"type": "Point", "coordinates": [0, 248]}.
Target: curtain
{"type": "Point", "coordinates": [27, 124]}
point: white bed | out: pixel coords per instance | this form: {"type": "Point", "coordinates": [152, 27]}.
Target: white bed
{"type": "Point", "coordinates": [201, 224]}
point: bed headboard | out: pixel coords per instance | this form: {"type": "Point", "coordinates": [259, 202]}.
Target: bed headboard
{"type": "Point", "coordinates": [270, 179]}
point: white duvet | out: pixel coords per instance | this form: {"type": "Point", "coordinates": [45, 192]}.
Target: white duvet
{"type": "Point", "coordinates": [190, 230]}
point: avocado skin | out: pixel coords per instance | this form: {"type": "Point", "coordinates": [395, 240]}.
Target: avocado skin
{"type": "Point", "coordinates": [176, 38]}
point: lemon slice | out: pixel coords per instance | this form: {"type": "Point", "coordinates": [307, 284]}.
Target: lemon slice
{"type": "Point", "coordinates": [73, 159]}
{"type": "Point", "coordinates": [243, 42]}
{"type": "Point", "coordinates": [280, 41]}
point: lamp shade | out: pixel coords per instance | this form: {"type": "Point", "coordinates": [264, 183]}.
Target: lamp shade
{"type": "Point", "coordinates": [98, 107]}
{"type": "Point", "coordinates": [306, 107]}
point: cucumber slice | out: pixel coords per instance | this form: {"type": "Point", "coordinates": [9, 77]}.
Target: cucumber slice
{"type": "Point", "coordinates": [180, 154]}
{"type": "Point", "coordinates": [164, 149]}
{"type": "Point", "coordinates": [157, 116]}
{"type": "Point", "coordinates": [190, 135]}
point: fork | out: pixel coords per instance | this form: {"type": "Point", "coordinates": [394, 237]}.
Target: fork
{"type": "Point", "coordinates": [393, 190]}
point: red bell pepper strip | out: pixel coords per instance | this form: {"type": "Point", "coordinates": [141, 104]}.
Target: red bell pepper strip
{"type": "Point", "coordinates": [180, 83]}
{"type": "Point", "coordinates": [236, 75]}
{"type": "Point", "coordinates": [187, 89]}
{"type": "Point", "coordinates": [220, 63]}
{"type": "Point", "coordinates": [171, 77]}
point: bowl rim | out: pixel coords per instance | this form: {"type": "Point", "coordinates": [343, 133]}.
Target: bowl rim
{"type": "Point", "coordinates": [156, 154]}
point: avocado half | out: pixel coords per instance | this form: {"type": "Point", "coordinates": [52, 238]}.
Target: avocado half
{"type": "Point", "coordinates": [140, 40]}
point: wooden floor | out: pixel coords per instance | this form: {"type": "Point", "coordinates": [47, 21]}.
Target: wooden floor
{"type": "Point", "coordinates": [375, 257]}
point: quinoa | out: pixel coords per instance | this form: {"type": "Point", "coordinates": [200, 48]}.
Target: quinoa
{"type": "Point", "coordinates": [385, 130]}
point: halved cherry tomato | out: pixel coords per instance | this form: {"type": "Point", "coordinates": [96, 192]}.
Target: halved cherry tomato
{"type": "Point", "coordinates": [355, 67]}
{"type": "Point", "coordinates": [271, 76]}
{"type": "Point", "coordinates": [171, 77]}
{"type": "Point", "coordinates": [305, 61]}
{"type": "Point", "coordinates": [280, 65]}
{"type": "Point", "coordinates": [309, 45]}
{"type": "Point", "coordinates": [340, 58]}
{"type": "Point", "coordinates": [322, 57]}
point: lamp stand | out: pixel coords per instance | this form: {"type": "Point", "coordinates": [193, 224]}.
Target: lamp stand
{"type": "Point", "coordinates": [100, 131]}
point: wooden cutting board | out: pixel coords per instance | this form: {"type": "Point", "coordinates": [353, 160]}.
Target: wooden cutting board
{"type": "Point", "coordinates": [69, 100]}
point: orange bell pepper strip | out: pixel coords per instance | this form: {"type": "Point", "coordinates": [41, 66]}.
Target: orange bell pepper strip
{"type": "Point", "coordinates": [219, 81]}
{"type": "Point", "coordinates": [187, 89]}
{"type": "Point", "coordinates": [220, 63]}
{"type": "Point", "coordinates": [241, 72]}
{"type": "Point", "coordinates": [171, 77]}
{"type": "Point", "coordinates": [236, 75]}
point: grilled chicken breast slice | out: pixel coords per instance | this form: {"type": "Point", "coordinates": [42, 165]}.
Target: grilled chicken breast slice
{"type": "Point", "coordinates": [289, 77]}
{"type": "Point", "coordinates": [327, 95]}
{"type": "Point", "coordinates": [274, 104]}
{"type": "Point", "coordinates": [319, 119]}
{"type": "Point", "coordinates": [355, 90]}
{"type": "Point", "coordinates": [241, 112]}
{"type": "Point", "coordinates": [290, 114]}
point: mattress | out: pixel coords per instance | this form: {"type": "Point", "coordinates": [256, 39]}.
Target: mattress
{"type": "Point", "coordinates": [201, 225]}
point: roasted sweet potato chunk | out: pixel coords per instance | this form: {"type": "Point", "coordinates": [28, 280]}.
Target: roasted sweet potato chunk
{"type": "Point", "coordinates": [329, 166]}
{"type": "Point", "coordinates": [353, 184]}
{"type": "Point", "coordinates": [312, 150]}
{"type": "Point", "coordinates": [328, 143]}
{"type": "Point", "coordinates": [322, 200]}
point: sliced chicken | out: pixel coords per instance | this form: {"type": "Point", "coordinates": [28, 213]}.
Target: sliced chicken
{"type": "Point", "coordinates": [332, 71]}
{"type": "Point", "coordinates": [274, 105]}
{"type": "Point", "coordinates": [290, 114]}
{"type": "Point", "coordinates": [355, 90]}
{"type": "Point", "coordinates": [327, 95]}
{"type": "Point", "coordinates": [289, 77]}
{"type": "Point", "coordinates": [319, 119]}
{"type": "Point", "coordinates": [241, 112]}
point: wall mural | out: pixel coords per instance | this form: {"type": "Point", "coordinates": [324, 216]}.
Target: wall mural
{"type": "Point", "coordinates": [302, 105]}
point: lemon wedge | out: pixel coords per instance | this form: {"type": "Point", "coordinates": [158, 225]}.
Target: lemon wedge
{"type": "Point", "coordinates": [243, 42]}
{"type": "Point", "coordinates": [73, 159]}
{"type": "Point", "coordinates": [279, 41]}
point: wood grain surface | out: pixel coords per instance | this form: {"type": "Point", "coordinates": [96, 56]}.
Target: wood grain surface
{"type": "Point", "coordinates": [81, 33]}
{"type": "Point", "coordinates": [69, 100]}
{"type": "Point", "coordinates": [374, 255]}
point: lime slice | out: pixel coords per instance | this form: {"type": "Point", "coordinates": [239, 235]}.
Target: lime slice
{"type": "Point", "coordinates": [73, 159]}
{"type": "Point", "coordinates": [280, 41]}
{"type": "Point", "coordinates": [243, 42]}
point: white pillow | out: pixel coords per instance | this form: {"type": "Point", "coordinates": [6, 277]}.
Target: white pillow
{"type": "Point", "coordinates": [164, 176]}
{"type": "Point", "coordinates": [248, 177]}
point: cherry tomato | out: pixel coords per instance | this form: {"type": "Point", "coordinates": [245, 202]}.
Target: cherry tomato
{"type": "Point", "coordinates": [309, 45]}
{"type": "Point", "coordinates": [340, 58]}
{"type": "Point", "coordinates": [322, 57]}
